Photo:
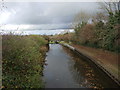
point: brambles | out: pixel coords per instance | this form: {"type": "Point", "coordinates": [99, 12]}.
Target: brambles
{"type": "Point", "coordinates": [22, 61]}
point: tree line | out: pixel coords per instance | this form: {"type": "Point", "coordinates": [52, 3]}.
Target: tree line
{"type": "Point", "coordinates": [101, 30]}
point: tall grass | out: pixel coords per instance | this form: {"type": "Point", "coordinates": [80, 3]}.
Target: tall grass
{"type": "Point", "coordinates": [22, 60]}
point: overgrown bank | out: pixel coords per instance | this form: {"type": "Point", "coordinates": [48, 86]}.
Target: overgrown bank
{"type": "Point", "coordinates": [22, 61]}
{"type": "Point", "coordinates": [102, 32]}
{"type": "Point", "coordinates": [97, 35]}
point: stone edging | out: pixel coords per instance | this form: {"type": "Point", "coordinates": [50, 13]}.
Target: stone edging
{"type": "Point", "coordinates": [96, 63]}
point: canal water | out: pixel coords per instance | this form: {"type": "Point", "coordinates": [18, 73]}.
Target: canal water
{"type": "Point", "coordinates": [65, 69]}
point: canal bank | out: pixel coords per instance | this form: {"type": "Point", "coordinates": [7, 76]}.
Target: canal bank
{"type": "Point", "coordinates": [96, 62]}
{"type": "Point", "coordinates": [65, 69]}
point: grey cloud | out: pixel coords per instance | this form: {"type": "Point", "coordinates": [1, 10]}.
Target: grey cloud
{"type": "Point", "coordinates": [52, 15]}
{"type": "Point", "coordinates": [45, 13]}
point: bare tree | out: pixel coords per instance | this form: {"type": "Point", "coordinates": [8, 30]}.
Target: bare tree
{"type": "Point", "coordinates": [110, 7]}
{"type": "Point", "coordinates": [100, 16]}
{"type": "Point", "coordinates": [80, 17]}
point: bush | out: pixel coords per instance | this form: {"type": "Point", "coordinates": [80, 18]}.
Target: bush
{"type": "Point", "coordinates": [100, 35]}
{"type": "Point", "coordinates": [22, 61]}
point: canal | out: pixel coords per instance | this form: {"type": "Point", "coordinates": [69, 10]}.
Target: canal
{"type": "Point", "coordinates": [66, 69]}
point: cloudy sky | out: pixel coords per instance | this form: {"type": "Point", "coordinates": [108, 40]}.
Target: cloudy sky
{"type": "Point", "coordinates": [32, 16]}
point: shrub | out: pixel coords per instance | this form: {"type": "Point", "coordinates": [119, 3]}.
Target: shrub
{"type": "Point", "coordinates": [22, 61]}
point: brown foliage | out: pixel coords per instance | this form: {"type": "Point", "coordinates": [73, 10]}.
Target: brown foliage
{"type": "Point", "coordinates": [86, 34]}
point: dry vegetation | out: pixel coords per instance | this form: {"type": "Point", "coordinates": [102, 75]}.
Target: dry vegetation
{"type": "Point", "coordinates": [103, 32]}
{"type": "Point", "coordinates": [22, 61]}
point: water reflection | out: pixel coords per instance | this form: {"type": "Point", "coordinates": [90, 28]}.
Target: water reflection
{"type": "Point", "coordinates": [87, 74]}
{"type": "Point", "coordinates": [65, 69]}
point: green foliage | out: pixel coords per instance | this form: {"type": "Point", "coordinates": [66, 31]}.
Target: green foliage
{"type": "Point", "coordinates": [100, 25]}
{"type": "Point", "coordinates": [22, 61]}
{"type": "Point", "coordinates": [52, 42]}
{"type": "Point", "coordinates": [107, 34]}
{"type": "Point", "coordinates": [101, 35]}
